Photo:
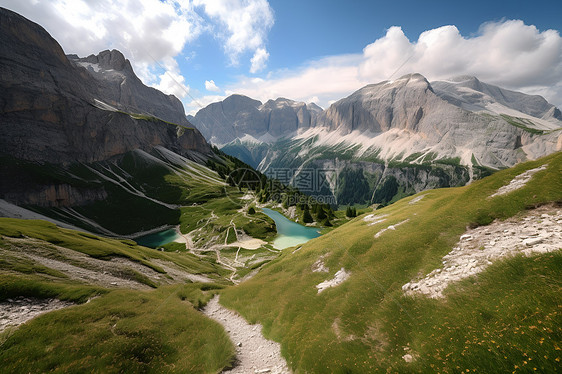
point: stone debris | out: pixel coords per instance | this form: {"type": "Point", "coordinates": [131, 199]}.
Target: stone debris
{"type": "Point", "coordinates": [373, 219]}
{"type": "Point", "coordinates": [391, 227]}
{"type": "Point", "coordinates": [537, 231]}
{"type": "Point", "coordinates": [340, 277]}
{"type": "Point", "coordinates": [416, 199]}
{"type": "Point", "coordinates": [319, 266]}
{"type": "Point", "coordinates": [518, 182]}
{"type": "Point", "coordinates": [408, 357]}
{"type": "Point", "coordinates": [254, 353]}
{"type": "Point", "coordinates": [14, 312]}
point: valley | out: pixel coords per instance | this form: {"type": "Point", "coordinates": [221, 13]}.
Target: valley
{"type": "Point", "coordinates": [413, 226]}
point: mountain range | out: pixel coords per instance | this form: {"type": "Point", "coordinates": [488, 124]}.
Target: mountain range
{"type": "Point", "coordinates": [454, 279]}
{"type": "Point", "coordinates": [408, 135]}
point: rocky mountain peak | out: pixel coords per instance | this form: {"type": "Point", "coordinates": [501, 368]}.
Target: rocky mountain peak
{"type": "Point", "coordinates": [468, 81]}
{"type": "Point", "coordinates": [107, 60]}
{"type": "Point", "coordinates": [412, 79]}
{"type": "Point", "coordinates": [474, 95]}
{"type": "Point", "coordinates": [238, 102]}
{"type": "Point", "coordinates": [239, 116]}
{"type": "Point", "coordinates": [49, 111]}
{"type": "Point", "coordinates": [379, 107]}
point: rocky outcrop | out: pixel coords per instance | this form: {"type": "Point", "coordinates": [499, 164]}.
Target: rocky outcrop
{"type": "Point", "coordinates": [538, 231]}
{"type": "Point", "coordinates": [118, 85]}
{"type": "Point", "coordinates": [383, 106]}
{"type": "Point", "coordinates": [240, 117]}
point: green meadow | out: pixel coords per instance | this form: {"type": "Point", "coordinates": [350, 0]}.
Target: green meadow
{"type": "Point", "coordinates": [507, 318]}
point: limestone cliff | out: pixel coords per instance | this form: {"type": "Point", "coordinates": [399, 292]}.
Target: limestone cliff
{"type": "Point", "coordinates": [240, 117]}
{"type": "Point", "coordinates": [50, 108]}
{"type": "Point", "coordinates": [58, 111]}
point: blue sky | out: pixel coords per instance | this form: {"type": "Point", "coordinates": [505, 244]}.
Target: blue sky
{"type": "Point", "coordinates": [313, 51]}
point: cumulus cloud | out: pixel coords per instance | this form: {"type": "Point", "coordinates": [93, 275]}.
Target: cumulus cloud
{"type": "Point", "coordinates": [211, 86]}
{"type": "Point", "coordinates": [244, 27]}
{"type": "Point", "coordinates": [152, 33]}
{"type": "Point", "coordinates": [313, 100]}
{"type": "Point", "coordinates": [145, 30]}
{"type": "Point", "coordinates": [259, 60]}
{"type": "Point", "coordinates": [326, 79]}
{"type": "Point", "coordinates": [508, 53]}
{"type": "Point", "coordinates": [170, 80]}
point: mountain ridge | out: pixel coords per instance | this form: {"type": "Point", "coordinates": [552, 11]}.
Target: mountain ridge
{"type": "Point", "coordinates": [39, 85]}
{"type": "Point", "coordinates": [239, 115]}
{"type": "Point", "coordinates": [425, 134]}
{"type": "Point", "coordinates": [68, 132]}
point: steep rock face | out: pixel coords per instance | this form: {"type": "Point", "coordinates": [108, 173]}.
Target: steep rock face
{"type": "Point", "coordinates": [49, 111]}
{"type": "Point", "coordinates": [120, 87]}
{"type": "Point", "coordinates": [235, 116]}
{"type": "Point", "coordinates": [382, 106]}
{"type": "Point", "coordinates": [57, 112]}
{"type": "Point", "coordinates": [57, 195]}
{"type": "Point", "coordinates": [406, 179]}
{"type": "Point", "coordinates": [239, 116]}
{"type": "Point", "coordinates": [286, 116]}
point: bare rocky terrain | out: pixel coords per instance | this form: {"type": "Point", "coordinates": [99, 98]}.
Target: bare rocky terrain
{"type": "Point", "coordinates": [536, 231]}
{"type": "Point", "coordinates": [14, 312]}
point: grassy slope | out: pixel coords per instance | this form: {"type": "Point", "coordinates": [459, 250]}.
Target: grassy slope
{"type": "Point", "coordinates": [103, 248]}
{"type": "Point", "coordinates": [119, 330]}
{"type": "Point", "coordinates": [123, 331]}
{"type": "Point", "coordinates": [505, 319]}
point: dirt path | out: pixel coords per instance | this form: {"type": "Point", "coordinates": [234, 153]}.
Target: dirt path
{"type": "Point", "coordinates": [254, 353]}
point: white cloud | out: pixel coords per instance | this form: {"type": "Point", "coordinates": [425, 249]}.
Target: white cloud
{"type": "Point", "coordinates": [328, 78]}
{"type": "Point", "coordinates": [313, 99]}
{"type": "Point", "coordinates": [193, 106]}
{"type": "Point", "coordinates": [245, 24]}
{"type": "Point", "coordinates": [508, 53]}
{"type": "Point", "coordinates": [259, 60]}
{"type": "Point", "coordinates": [151, 33]}
{"type": "Point", "coordinates": [171, 81]}
{"type": "Point", "coordinates": [145, 30]}
{"type": "Point", "coordinates": [211, 86]}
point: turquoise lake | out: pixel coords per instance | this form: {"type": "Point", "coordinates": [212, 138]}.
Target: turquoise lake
{"type": "Point", "coordinates": [290, 233]}
{"type": "Point", "coordinates": [158, 238]}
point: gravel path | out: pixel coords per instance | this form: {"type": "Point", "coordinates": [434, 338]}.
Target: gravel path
{"type": "Point", "coordinates": [254, 353]}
